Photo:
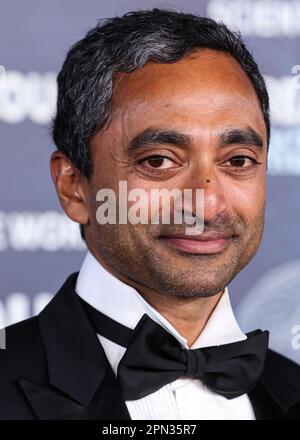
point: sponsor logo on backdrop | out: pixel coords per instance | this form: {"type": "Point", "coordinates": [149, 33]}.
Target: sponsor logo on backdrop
{"type": "Point", "coordinates": [284, 94]}
{"type": "Point", "coordinates": [49, 231]}
{"type": "Point", "coordinates": [258, 18]}
{"type": "Point", "coordinates": [27, 96]}
{"type": "Point", "coordinates": [17, 306]}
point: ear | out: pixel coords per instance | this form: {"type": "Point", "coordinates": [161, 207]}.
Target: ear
{"type": "Point", "coordinates": [70, 186]}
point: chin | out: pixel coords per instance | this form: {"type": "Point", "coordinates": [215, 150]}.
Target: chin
{"type": "Point", "coordinates": [190, 283]}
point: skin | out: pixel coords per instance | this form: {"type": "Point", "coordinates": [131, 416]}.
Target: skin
{"type": "Point", "coordinates": [200, 96]}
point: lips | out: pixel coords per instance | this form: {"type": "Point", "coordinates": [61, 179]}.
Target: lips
{"type": "Point", "coordinates": [206, 243]}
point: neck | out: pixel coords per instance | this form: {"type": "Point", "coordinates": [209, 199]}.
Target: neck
{"type": "Point", "coordinates": [187, 315]}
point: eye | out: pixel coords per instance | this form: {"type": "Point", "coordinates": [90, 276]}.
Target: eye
{"type": "Point", "coordinates": [157, 162]}
{"type": "Point", "coordinates": [242, 161]}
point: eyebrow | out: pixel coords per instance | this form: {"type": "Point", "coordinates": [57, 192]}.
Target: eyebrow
{"type": "Point", "coordinates": [153, 136]}
{"type": "Point", "coordinates": [156, 136]}
{"type": "Point", "coordinates": [244, 136]}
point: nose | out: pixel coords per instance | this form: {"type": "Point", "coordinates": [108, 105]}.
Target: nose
{"type": "Point", "coordinates": [213, 197]}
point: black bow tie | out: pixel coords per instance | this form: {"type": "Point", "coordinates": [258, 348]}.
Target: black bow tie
{"type": "Point", "coordinates": [155, 358]}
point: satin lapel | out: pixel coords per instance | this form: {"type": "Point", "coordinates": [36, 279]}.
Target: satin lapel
{"type": "Point", "coordinates": [264, 406]}
{"type": "Point", "coordinates": [278, 391]}
{"type": "Point", "coordinates": [77, 366]}
{"type": "Point", "coordinates": [48, 404]}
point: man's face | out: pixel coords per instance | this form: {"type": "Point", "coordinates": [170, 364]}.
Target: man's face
{"type": "Point", "coordinates": [207, 98]}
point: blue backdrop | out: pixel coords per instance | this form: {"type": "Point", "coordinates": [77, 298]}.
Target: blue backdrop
{"type": "Point", "coordinates": [39, 246]}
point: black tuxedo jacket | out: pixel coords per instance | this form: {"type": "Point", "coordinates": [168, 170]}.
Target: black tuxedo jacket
{"type": "Point", "coordinates": [54, 367]}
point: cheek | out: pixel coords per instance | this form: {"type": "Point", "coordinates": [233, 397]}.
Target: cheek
{"type": "Point", "coordinates": [247, 199]}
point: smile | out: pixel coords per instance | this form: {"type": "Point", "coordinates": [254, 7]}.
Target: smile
{"type": "Point", "coordinates": [200, 245]}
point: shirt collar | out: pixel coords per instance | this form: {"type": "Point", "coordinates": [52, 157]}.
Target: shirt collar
{"type": "Point", "coordinates": [124, 304]}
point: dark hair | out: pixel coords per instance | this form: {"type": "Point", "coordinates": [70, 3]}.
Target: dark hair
{"type": "Point", "coordinates": [85, 82]}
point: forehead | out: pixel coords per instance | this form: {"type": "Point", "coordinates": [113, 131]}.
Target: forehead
{"type": "Point", "coordinates": [206, 90]}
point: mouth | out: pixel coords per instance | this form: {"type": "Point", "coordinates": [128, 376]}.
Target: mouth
{"type": "Point", "coordinates": [204, 244]}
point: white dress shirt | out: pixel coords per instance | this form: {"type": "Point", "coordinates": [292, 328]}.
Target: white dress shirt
{"type": "Point", "coordinates": [185, 398]}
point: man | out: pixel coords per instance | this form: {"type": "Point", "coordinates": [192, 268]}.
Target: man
{"type": "Point", "coordinates": [159, 100]}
